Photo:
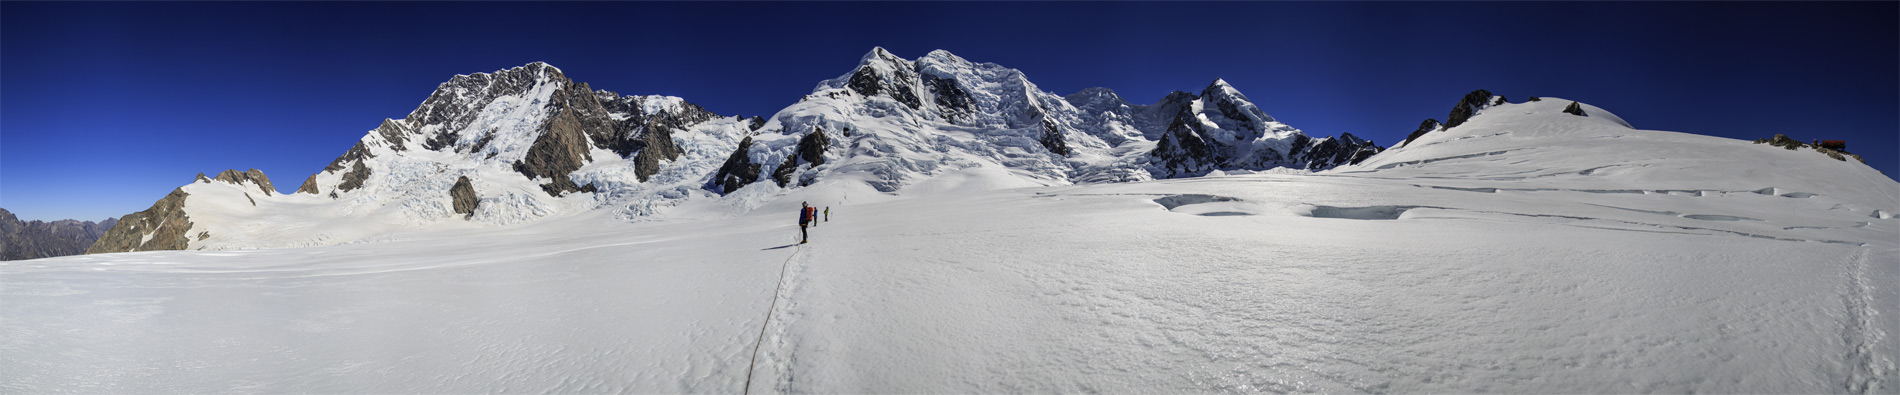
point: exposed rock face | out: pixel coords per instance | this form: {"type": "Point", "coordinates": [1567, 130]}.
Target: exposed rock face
{"type": "Point", "coordinates": [396, 133]}
{"type": "Point", "coordinates": [354, 178]}
{"type": "Point", "coordinates": [869, 81]}
{"type": "Point", "coordinates": [40, 239]}
{"type": "Point", "coordinates": [1575, 109]}
{"type": "Point", "coordinates": [309, 185]}
{"type": "Point", "coordinates": [1467, 107]}
{"type": "Point", "coordinates": [1423, 128]}
{"type": "Point", "coordinates": [655, 145]}
{"type": "Point", "coordinates": [738, 169]}
{"type": "Point", "coordinates": [1346, 149]}
{"type": "Point", "coordinates": [811, 150]}
{"type": "Point", "coordinates": [252, 176]}
{"type": "Point", "coordinates": [1783, 141]}
{"type": "Point", "coordinates": [1461, 112]}
{"type": "Point", "coordinates": [953, 103]}
{"type": "Point", "coordinates": [165, 222]}
{"type": "Point", "coordinates": [560, 150]}
{"type": "Point", "coordinates": [1183, 149]}
{"type": "Point", "coordinates": [462, 197]}
{"type": "Point", "coordinates": [1052, 139]}
{"type": "Point", "coordinates": [357, 153]}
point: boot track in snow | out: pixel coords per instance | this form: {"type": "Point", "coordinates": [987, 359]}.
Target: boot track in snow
{"type": "Point", "coordinates": [756, 344]}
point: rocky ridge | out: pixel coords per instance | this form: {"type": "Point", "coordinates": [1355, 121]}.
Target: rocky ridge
{"type": "Point", "coordinates": [40, 239]}
{"type": "Point", "coordinates": [1467, 107]}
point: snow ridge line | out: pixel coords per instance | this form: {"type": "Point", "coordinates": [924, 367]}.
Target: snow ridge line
{"type": "Point", "coordinates": [756, 344]}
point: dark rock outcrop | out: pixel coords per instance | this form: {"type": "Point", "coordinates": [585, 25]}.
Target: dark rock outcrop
{"type": "Point", "coordinates": [811, 150]}
{"type": "Point", "coordinates": [1575, 109]}
{"type": "Point", "coordinates": [560, 150]}
{"type": "Point", "coordinates": [351, 160]}
{"type": "Point", "coordinates": [866, 81]}
{"type": "Point", "coordinates": [166, 222]}
{"type": "Point", "coordinates": [462, 197]}
{"type": "Point", "coordinates": [953, 103]}
{"type": "Point", "coordinates": [1182, 150]}
{"type": "Point", "coordinates": [309, 185]}
{"type": "Point", "coordinates": [654, 145]}
{"type": "Point", "coordinates": [396, 133]}
{"type": "Point", "coordinates": [40, 239]}
{"type": "Point", "coordinates": [354, 178]}
{"type": "Point", "coordinates": [1467, 107]}
{"type": "Point", "coordinates": [1783, 141]}
{"type": "Point", "coordinates": [1461, 112]}
{"type": "Point", "coordinates": [738, 170]}
{"type": "Point", "coordinates": [1535, 98]}
{"type": "Point", "coordinates": [1053, 140]}
{"type": "Point", "coordinates": [253, 176]}
{"type": "Point", "coordinates": [1423, 127]}
{"type": "Point", "coordinates": [1343, 150]}
{"type": "Point", "coordinates": [650, 141]}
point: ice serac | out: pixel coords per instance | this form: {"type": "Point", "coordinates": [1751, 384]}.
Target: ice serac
{"type": "Point", "coordinates": [41, 239]}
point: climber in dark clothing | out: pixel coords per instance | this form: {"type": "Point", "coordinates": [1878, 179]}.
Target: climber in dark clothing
{"type": "Point", "coordinates": [805, 215]}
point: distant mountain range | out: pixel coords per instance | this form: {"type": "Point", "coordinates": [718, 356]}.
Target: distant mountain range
{"type": "Point", "coordinates": [491, 149]}
{"type": "Point", "coordinates": [40, 239]}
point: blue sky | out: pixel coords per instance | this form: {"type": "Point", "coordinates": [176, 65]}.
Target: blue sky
{"type": "Point", "coordinates": [105, 107]}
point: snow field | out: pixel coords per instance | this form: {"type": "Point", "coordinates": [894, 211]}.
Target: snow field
{"type": "Point", "coordinates": [1098, 288]}
{"type": "Point", "coordinates": [1045, 289]}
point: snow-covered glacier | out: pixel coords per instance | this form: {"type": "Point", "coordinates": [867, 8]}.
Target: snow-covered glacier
{"type": "Point", "coordinates": [1524, 250]}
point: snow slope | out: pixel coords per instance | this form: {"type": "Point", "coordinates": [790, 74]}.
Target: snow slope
{"type": "Point", "coordinates": [1526, 250]}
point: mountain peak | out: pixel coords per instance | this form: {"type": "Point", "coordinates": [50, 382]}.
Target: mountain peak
{"type": "Point", "coordinates": [1221, 89]}
{"type": "Point", "coordinates": [878, 54]}
{"type": "Point", "coordinates": [943, 55]}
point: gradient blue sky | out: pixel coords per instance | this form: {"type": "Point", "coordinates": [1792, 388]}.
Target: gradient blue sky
{"type": "Point", "coordinates": [105, 107]}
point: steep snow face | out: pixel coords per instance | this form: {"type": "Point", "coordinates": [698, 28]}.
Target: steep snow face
{"type": "Point", "coordinates": [1524, 251]}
